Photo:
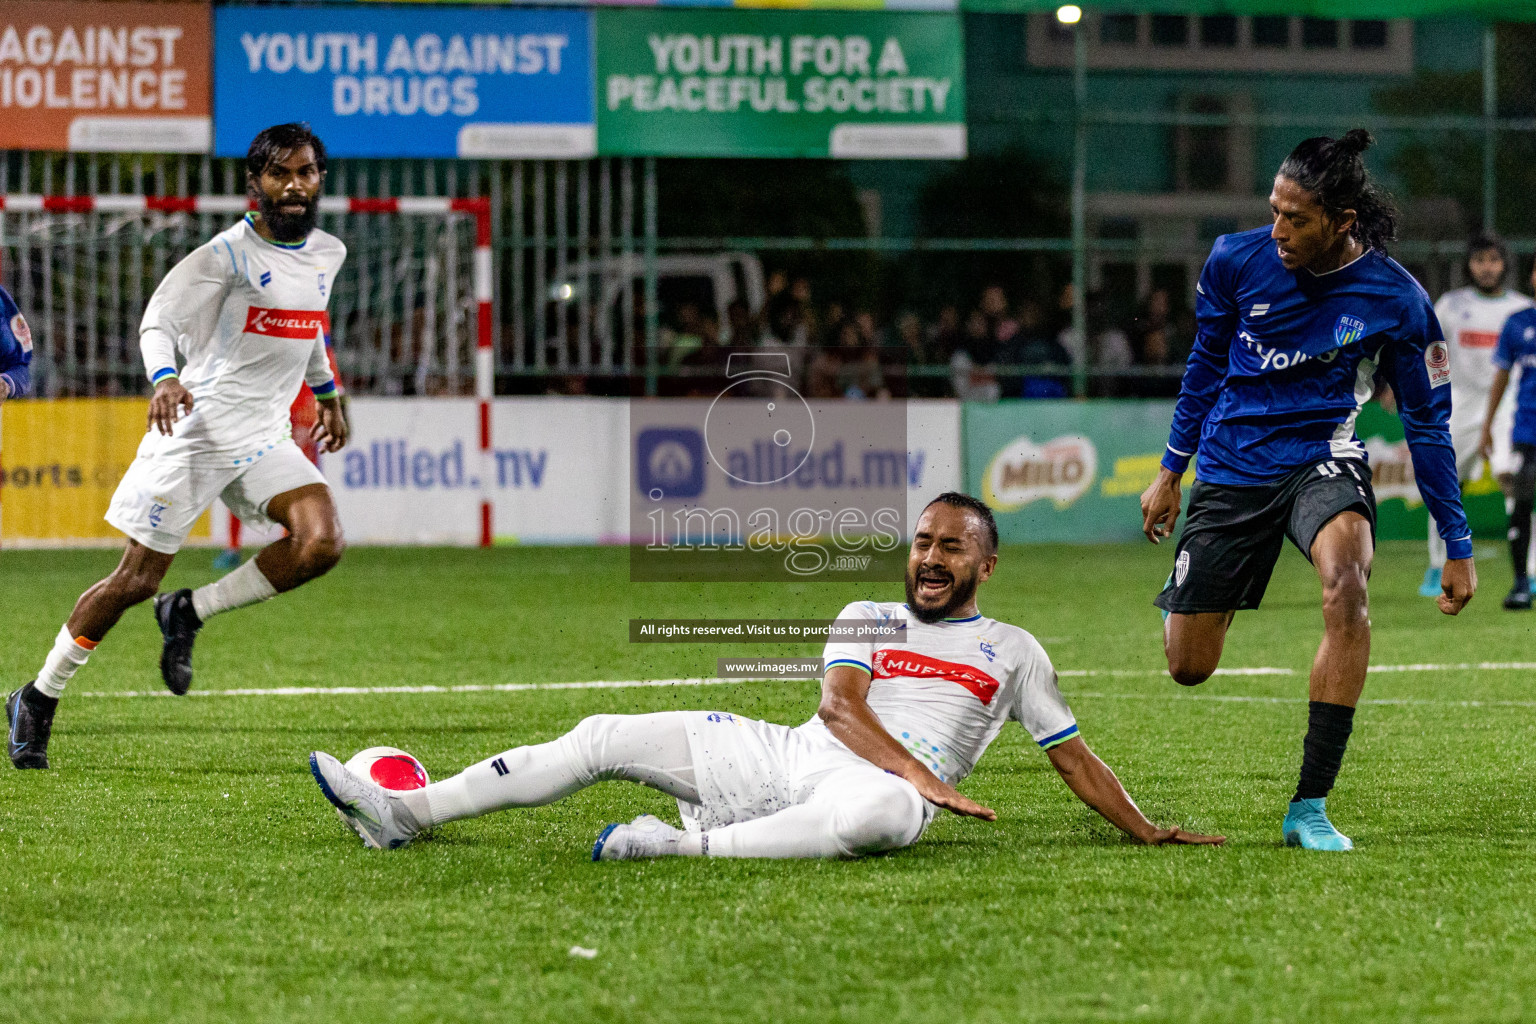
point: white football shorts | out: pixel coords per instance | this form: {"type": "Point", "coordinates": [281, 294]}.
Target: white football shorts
{"type": "Point", "coordinates": [746, 769]}
{"type": "Point", "coordinates": [158, 501]}
{"type": "Point", "coordinates": [1467, 431]}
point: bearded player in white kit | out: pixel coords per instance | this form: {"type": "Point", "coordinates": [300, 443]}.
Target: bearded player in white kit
{"type": "Point", "coordinates": [1472, 318]}
{"type": "Point", "coordinates": [901, 723]}
{"type": "Point", "coordinates": [245, 312]}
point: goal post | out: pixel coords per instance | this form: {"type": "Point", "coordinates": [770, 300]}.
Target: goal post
{"type": "Point", "coordinates": [74, 259]}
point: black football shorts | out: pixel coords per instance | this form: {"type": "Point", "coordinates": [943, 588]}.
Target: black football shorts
{"type": "Point", "coordinates": [1233, 535]}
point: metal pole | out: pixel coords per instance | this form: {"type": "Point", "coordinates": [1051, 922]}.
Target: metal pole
{"type": "Point", "coordinates": [1490, 128]}
{"type": "Point", "coordinates": [1079, 185]}
{"type": "Point", "coordinates": [652, 302]}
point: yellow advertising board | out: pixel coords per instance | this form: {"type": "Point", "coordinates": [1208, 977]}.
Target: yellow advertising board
{"type": "Point", "coordinates": [60, 461]}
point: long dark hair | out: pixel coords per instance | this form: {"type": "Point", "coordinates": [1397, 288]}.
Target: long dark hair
{"type": "Point", "coordinates": [1333, 171]}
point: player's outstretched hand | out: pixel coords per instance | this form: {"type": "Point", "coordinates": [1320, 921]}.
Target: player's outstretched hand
{"type": "Point", "coordinates": [1178, 837]}
{"type": "Point", "coordinates": [941, 793]}
{"type": "Point", "coordinates": [1160, 506]}
{"type": "Point", "coordinates": [1458, 582]}
{"type": "Point", "coordinates": [332, 431]}
{"type": "Point", "coordinates": [170, 402]}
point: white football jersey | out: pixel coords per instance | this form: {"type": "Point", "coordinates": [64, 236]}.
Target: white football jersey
{"type": "Point", "coordinates": [946, 690]}
{"type": "Point", "coordinates": [247, 317]}
{"type": "Point", "coordinates": [1472, 322]}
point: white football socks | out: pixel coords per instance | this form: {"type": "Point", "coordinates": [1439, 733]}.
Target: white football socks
{"type": "Point", "coordinates": [63, 662]}
{"type": "Point", "coordinates": [246, 585]}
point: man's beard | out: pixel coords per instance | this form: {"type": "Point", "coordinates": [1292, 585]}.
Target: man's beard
{"type": "Point", "coordinates": [287, 227]}
{"type": "Point", "coordinates": [961, 590]}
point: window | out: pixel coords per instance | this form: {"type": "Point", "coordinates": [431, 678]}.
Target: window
{"type": "Point", "coordinates": [1368, 35]}
{"type": "Point", "coordinates": [1319, 33]}
{"type": "Point", "coordinates": [1220, 30]}
{"type": "Point", "coordinates": [1206, 148]}
{"type": "Point", "coordinates": [1125, 228]}
{"type": "Point", "coordinates": [1273, 32]}
{"type": "Point", "coordinates": [1118, 29]}
{"type": "Point", "coordinates": [1170, 30]}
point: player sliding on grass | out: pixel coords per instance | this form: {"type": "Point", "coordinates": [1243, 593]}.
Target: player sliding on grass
{"type": "Point", "coordinates": [245, 312]}
{"type": "Point", "coordinates": [1295, 321]}
{"type": "Point", "coordinates": [901, 723]}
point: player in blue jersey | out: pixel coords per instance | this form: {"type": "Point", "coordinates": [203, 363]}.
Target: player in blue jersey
{"type": "Point", "coordinates": [1517, 347]}
{"type": "Point", "coordinates": [15, 349]}
{"type": "Point", "coordinates": [1295, 322]}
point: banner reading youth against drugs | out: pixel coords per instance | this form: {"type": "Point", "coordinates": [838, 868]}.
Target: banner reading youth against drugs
{"type": "Point", "coordinates": [104, 77]}
{"type": "Point", "coordinates": [780, 84]}
{"type": "Point", "coordinates": [408, 81]}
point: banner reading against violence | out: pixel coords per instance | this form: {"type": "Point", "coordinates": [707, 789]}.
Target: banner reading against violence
{"type": "Point", "coordinates": [780, 84]}
{"type": "Point", "coordinates": [104, 77]}
{"type": "Point", "coordinates": [1073, 472]}
{"type": "Point", "coordinates": [408, 81]}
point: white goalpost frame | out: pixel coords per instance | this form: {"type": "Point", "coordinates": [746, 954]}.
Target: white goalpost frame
{"type": "Point", "coordinates": [478, 208]}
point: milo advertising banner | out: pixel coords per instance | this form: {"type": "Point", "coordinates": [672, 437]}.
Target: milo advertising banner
{"type": "Point", "coordinates": [780, 84]}
{"type": "Point", "coordinates": [1073, 472]}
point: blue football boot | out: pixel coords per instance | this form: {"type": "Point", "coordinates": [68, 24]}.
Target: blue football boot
{"type": "Point", "coordinates": [1307, 825]}
{"type": "Point", "coordinates": [1431, 585]}
{"type": "Point", "coordinates": [227, 559]}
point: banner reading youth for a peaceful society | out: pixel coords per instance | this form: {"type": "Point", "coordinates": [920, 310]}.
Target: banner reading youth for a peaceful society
{"type": "Point", "coordinates": [780, 84]}
{"type": "Point", "coordinates": [407, 81]}
{"type": "Point", "coordinates": [104, 77]}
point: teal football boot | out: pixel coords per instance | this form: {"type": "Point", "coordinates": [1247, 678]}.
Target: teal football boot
{"type": "Point", "coordinates": [1307, 825]}
{"type": "Point", "coordinates": [1431, 585]}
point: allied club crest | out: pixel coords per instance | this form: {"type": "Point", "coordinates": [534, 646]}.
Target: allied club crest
{"type": "Point", "coordinates": [1348, 330]}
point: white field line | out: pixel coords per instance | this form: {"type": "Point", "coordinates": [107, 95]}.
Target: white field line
{"type": "Point", "coordinates": [626, 684]}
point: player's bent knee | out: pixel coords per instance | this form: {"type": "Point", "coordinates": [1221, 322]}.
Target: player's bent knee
{"type": "Point", "coordinates": [1346, 598]}
{"type": "Point", "coordinates": [887, 817]}
{"type": "Point", "coordinates": [319, 554]}
{"type": "Point", "coordinates": [1189, 669]}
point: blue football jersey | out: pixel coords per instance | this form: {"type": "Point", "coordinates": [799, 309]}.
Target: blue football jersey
{"type": "Point", "coordinates": [1517, 347]}
{"type": "Point", "coordinates": [15, 346]}
{"type": "Point", "coordinates": [1284, 360]}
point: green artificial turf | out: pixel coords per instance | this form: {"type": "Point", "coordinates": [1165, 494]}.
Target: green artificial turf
{"type": "Point", "coordinates": [180, 865]}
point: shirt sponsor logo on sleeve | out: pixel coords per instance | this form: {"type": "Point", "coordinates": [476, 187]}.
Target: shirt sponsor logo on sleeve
{"type": "Point", "coordinates": [1437, 363]}
{"type": "Point", "coordinates": [302, 324]}
{"type": "Point", "coordinates": [22, 331]}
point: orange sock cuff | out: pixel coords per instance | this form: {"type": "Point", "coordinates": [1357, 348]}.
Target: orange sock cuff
{"type": "Point", "coordinates": [86, 642]}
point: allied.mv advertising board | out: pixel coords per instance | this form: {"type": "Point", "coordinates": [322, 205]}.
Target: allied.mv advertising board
{"type": "Point", "coordinates": [104, 77]}
{"type": "Point", "coordinates": [871, 84]}
{"type": "Point", "coordinates": [408, 81]}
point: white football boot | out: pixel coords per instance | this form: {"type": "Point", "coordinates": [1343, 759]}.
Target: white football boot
{"type": "Point", "coordinates": [382, 817]}
{"type": "Point", "coordinates": [645, 837]}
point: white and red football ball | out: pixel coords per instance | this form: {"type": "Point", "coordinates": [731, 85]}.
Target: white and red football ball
{"type": "Point", "coordinates": [389, 767]}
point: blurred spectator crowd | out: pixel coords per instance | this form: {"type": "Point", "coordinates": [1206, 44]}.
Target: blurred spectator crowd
{"type": "Point", "coordinates": [993, 347]}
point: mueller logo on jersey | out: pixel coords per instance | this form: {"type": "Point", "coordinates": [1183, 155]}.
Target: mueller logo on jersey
{"type": "Point", "coordinates": [892, 664]}
{"type": "Point", "coordinates": [1477, 339]}
{"type": "Point", "coordinates": [303, 324]}
{"type": "Point", "coordinates": [1437, 363]}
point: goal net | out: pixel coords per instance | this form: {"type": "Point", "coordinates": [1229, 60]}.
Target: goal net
{"type": "Point", "coordinates": [410, 312]}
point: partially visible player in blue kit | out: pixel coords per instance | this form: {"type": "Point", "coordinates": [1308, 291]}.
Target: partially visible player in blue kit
{"type": "Point", "coordinates": [1296, 321]}
{"type": "Point", "coordinates": [15, 349]}
{"type": "Point", "coordinates": [1517, 347]}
